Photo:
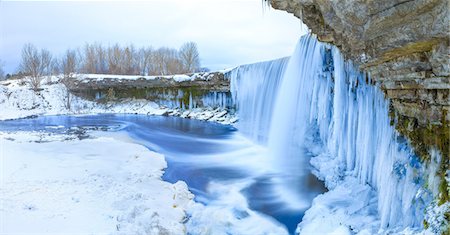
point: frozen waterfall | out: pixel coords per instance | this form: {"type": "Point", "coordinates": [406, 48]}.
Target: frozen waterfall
{"type": "Point", "coordinates": [316, 107]}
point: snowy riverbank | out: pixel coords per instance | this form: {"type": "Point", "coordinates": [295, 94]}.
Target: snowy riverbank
{"type": "Point", "coordinates": [17, 100]}
{"type": "Point", "coordinates": [55, 183]}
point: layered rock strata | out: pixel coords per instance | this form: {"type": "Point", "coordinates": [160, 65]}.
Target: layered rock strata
{"type": "Point", "coordinates": [403, 45]}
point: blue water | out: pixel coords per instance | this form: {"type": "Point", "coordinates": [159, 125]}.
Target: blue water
{"type": "Point", "coordinates": [196, 152]}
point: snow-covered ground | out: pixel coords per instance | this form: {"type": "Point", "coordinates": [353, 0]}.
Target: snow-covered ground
{"type": "Point", "coordinates": [176, 77]}
{"type": "Point", "coordinates": [17, 100]}
{"type": "Point", "coordinates": [54, 183]}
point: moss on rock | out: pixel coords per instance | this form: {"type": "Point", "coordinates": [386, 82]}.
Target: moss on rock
{"type": "Point", "coordinates": [425, 137]}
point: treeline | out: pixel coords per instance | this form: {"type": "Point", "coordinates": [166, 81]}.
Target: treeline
{"type": "Point", "coordinates": [98, 59]}
{"type": "Point", "coordinates": [124, 60]}
{"type": "Point", "coordinates": [2, 73]}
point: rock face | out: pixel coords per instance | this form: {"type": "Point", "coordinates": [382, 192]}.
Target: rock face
{"type": "Point", "coordinates": [214, 81]}
{"type": "Point", "coordinates": [174, 91]}
{"type": "Point", "coordinates": [403, 44]}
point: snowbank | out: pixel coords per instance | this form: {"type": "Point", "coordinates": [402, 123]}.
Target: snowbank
{"type": "Point", "coordinates": [176, 77]}
{"type": "Point", "coordinates": [59, 184]}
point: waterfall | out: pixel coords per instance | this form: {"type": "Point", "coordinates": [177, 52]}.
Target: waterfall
{"type": "Point", "coordinates": [254, 88]}
{"type": "Point", "coordinates": [317, 108]}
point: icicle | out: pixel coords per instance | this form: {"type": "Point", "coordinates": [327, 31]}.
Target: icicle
{"type": "Point", "coordinates": [319, 101]}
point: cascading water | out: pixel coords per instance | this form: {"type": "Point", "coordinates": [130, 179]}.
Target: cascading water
{"type": "Point", "coordinates": [318, 108]}
{"type": "Point", "coordinates": [253, 88]}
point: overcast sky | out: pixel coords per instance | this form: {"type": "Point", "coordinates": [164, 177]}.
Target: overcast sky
{"type": "Point", "coordinates": [228, 32]}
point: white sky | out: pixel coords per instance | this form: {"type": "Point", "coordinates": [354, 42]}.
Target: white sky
{"type": "Point", "coordinates": [228, 32]}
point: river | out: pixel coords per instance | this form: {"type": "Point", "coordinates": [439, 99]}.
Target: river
{"type": "Point", "coordinates": [203, 154]}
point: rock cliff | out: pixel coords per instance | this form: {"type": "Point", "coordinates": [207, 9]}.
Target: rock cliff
{"type": "Point", "coordinates": [172, 91]}
{"type": "Point", "coordinates": [403, 44]}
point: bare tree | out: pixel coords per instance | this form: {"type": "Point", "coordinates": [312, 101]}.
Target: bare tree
{"type": "Point", "coordinates": [160, 61]}
{"type": "Point", "coordinates": [123, 60]}
{"type": "Point", "coordinates": [46, 62]}
{"type": "Point", "coordinates": [189, 57]}
{"type": "Point", "coordinates": [114, 59]}
{"type": "Point", "coordinates": [69, 63]}
{"type": "Point", "coordinates": [2, 73]}
{"type": "Point", "coordinates": [167, 61]}
{"type": "Point", "coordinates": [151, 67]}
{"type": "Point", "coordinates": [35, 64]}
{"type": "Point", "coordinates": [144, 60]}
{"type": "Point", "coordinates": [100, 53]}
{"type": "Point", "coordinates": [88, 59]}
{"type": "Point", "coordinates": [94, 59]}
{"type": "Point", "coordinates": [174, 64]}
{"type": "Point", "coordinates": [55, 68]}
{"type": "Point", "coordinates": [130, 61]}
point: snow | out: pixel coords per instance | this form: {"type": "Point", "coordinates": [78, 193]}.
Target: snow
{"type": "Point", "coordinates": [349, 205]}
{"type": "Point", "coordinates": [182, 78]}
{"type": "Point", "coordinates": [437, 217]}
{"type": "Point", "coordinates": [99, 77]}
{"type": "Point", "coordinates": [176, 77]}
{"type": "Point", "coordinates": [58, 184]}
{"type": "Point", "coordinates": [17, 100]}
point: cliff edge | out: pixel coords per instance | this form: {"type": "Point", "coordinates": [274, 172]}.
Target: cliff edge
{"type": "Point", "coordinates": [405, 47]}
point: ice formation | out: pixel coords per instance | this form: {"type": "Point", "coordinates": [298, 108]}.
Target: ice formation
{"type": "Point", "coordinates": [317, 107]}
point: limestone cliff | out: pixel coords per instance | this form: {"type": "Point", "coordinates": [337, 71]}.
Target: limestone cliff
{"type": "Point", "coordinates": [173, 91]}
{"type": "Point", "coordinates": [403, 44]}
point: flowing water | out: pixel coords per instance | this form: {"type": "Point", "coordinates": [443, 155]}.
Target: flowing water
{"type": "Point", "coordinates": [203, 154]}
{"type": "Point", "coordinates": [310, 108]}
{"type": "Point", "coordinates": [318, 108]}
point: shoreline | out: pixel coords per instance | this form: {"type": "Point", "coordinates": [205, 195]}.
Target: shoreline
{"type": "Point", "coordinates": [17, 100]}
